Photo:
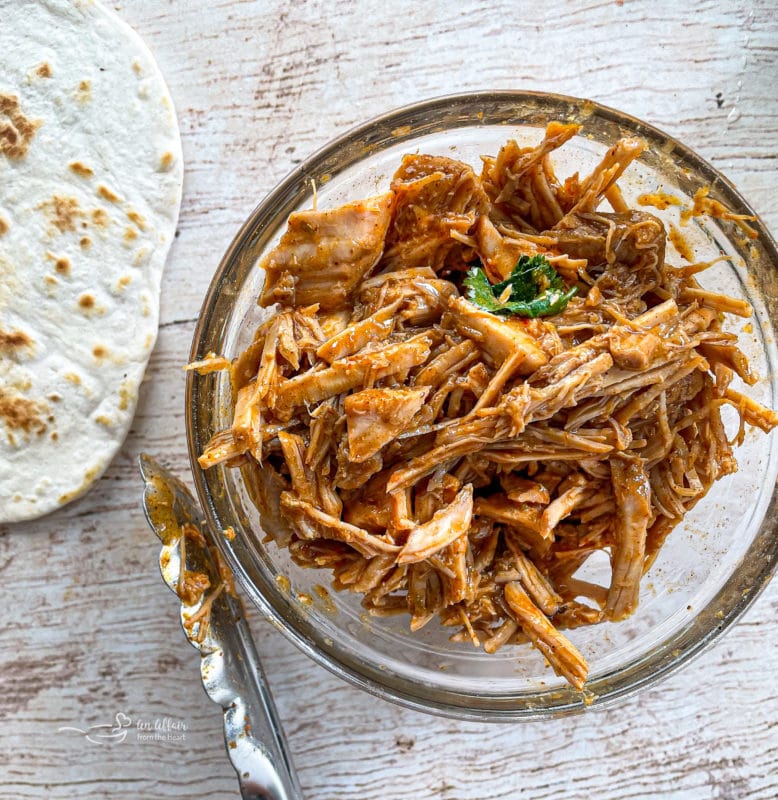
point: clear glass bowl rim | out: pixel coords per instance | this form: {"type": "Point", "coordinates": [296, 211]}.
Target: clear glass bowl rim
{"type": "Point", "coordinates": [735, 597]}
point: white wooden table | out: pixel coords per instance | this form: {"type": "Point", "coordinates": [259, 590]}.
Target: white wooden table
{"type": "Point", "coordinates": [88, 628]}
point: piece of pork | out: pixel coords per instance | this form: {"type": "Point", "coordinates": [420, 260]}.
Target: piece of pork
{"type": "Point", "coordinates": [422, 300]}
{"type": "Point", "coordinates": [323, 255]}
{"type": "Point", "coordinates": [500, 175]}
{"type": "Point", "coordinates": [533, 581]}
{"type": "Point", "coordinates": [376, 416]}
{"type": "Point", "coordinates": [354, 337]}
{"type": "Point", "coordinates": [435, 196]}
{"type": "Point", "coordinates": [502, 340]}
{"type": "Point", "coordinates": [752, 412]}
{"type": "Point", "coordinates": [520, 181]}
{"type": "Point", "coordinates": [609, 237]}
{"type": "Point", "coordinates": [498, 253]}
{"type": "Point", "coordinates": [729, 356]}
{"type": "Point", "coordinates": [607, 172]}
{"type": "Point", "coordinates": [633, 349]}
{"type": "Point", "coordinates": [349, 373]}
{"type": "Point", "coordinates": [446, 525]}
{"type": "Point", "coordinates": [312, 523]}
{"type": "Point", "coordinates": [524, 518]}
{"type": "Point", "coordinates": [564, 657]}
{"type": "Point", "coordinates": [632, 491]}
{"type": "Point", "coordinates": [523, 490]}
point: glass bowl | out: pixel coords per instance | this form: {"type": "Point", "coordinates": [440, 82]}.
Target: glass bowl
{"type": "Point", "coordinates": [710, 569]}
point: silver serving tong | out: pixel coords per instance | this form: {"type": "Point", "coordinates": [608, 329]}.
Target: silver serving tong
{"type": "Point", "coordinates": [213, 619]}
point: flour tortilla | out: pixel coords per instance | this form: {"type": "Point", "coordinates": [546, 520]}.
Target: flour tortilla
{"type": "Point", "coordinates": [90, 186]}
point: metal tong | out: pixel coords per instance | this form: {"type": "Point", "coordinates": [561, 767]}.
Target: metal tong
{"type": "Point", "coordinates": [213, 620]}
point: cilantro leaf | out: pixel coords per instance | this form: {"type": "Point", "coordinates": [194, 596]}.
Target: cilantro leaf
{"type": "Point", "coordinates": [534, 289]}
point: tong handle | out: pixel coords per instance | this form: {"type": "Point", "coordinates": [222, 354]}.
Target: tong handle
{"type": "Point", "coordinates": [233, 677]}
{"type": "Point", "coordinates": [230, 667]}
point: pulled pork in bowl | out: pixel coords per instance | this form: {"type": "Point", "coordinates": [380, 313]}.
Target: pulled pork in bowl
{"type": "Point", "coordinates": [475, 428]}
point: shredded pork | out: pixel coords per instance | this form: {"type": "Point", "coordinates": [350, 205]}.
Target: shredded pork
{"type": "Point", "coordinates": [445, 461]}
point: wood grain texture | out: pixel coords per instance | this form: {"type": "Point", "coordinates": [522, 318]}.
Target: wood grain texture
{"type": "Point", "coordinates": [89, 629]}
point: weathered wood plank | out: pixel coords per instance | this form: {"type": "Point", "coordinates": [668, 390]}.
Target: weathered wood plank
{"type": "Point", "coordinates": [89, 629]}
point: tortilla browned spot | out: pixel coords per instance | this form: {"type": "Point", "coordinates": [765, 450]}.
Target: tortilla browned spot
{"type": "Point", "coordinates": [16, 130]}
{"type": "Point", "coordinates": [81, 169]}
{"type": "Point", "coordinates": [20, 413]}
{"type": "Point", "coordinates": [108, 194]}
{"type": "Point", "coordinates": [13, 340]}
{"type": "Point", "coordinates": [135, 217]}
{"type": "Point", "coordinates": [100, 218]}
{"type": "Point", "coordinates": [84, 92]}
{"type": "Point", "coordinates": [63, 212]}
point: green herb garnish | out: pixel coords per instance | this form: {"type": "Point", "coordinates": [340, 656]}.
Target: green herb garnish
{"type": "Point", "coordinates": [536, 290]}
